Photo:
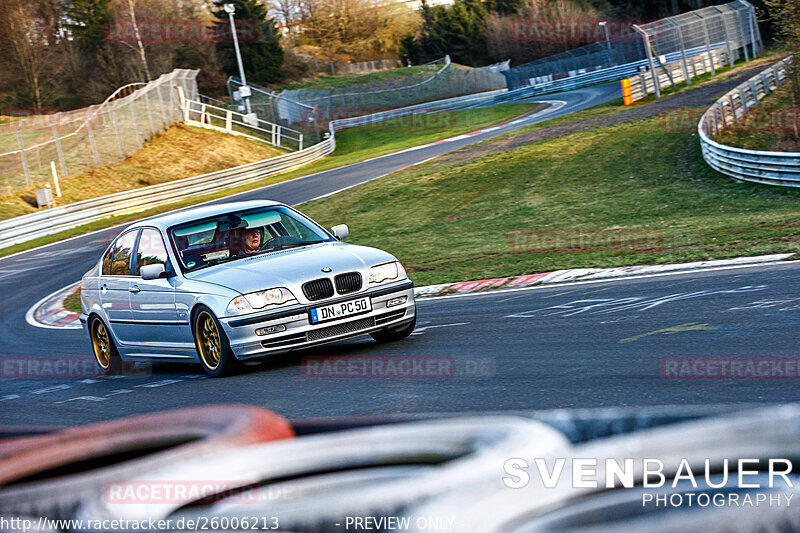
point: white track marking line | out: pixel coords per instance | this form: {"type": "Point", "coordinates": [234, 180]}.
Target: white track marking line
{"type": "Point", "coordinates": [54, 388]}
{"type": "Point", "coordinates": [86, 398]}
{"type": "Point", "coordinates": [155, 384]}
{"type": "Point", "coordinates": [420, 331]}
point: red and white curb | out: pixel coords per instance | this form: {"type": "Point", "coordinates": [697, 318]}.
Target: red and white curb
{"type": "Point", "coordinates": [587, 274]}
{"type": "Point", "coordinates": [49, 312]}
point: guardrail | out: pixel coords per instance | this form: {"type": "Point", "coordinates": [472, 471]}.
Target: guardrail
{"type": "Point", "coordinates": [637, 87]}
{"type": "Point", "coordinates": [593, 77]}
{"type": "Point", "coordinates": [47, 222]}
{"type": "Point", "coordinates": [741, 164]}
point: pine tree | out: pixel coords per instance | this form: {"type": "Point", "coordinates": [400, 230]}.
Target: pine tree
{"type": "Point", "coordinates": [88, 22]}
{"type": "Point", "coordinates": [262, 54]}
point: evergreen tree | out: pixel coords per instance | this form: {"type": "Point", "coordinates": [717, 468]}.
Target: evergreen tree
{"type": "Point", "coordinates": [262, 54]}
{"type": "Point", "coordinates": [457, 30]}
{"type": "Point", "coordinates": [88, 22]}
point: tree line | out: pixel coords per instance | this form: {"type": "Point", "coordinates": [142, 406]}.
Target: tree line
{"type": "Point", "coordinates": [63, 54]}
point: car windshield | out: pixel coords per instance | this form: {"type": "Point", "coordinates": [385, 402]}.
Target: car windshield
{"type": "Point", "coordinates": [245, 233]}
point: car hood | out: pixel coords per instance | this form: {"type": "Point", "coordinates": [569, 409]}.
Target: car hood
{"type": "Point", "coordinates": [287, 268]}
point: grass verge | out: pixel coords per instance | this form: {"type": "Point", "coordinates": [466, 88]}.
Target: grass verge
{"type": "Point", "coordinates": [73, 302]}
{"type": "Point", "coordinates": [579, 201]}
{"type": "Point", "coordinates": [353, 145]}
{"type": "Point", "coordinates": [772, 125]}
{"type": "Point", "coordinates": [170, 155]}
{"type": "Point", "coordinates": [346, 80]}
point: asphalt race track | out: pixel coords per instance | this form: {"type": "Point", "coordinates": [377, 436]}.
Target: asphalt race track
{"type": "Point", "coordinates": [577, 345]}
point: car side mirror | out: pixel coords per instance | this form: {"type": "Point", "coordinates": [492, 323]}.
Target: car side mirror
{"type": "Point", "coordinates": [341, 231]}
{"type": "Point", "coordinates": [153, 271]}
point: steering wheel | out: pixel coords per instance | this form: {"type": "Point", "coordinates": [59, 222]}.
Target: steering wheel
{"type": "Point", "coordinates": [280, 240]}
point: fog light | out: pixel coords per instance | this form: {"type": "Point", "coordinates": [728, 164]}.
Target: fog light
{"type": "Point", "coordinates": [396, 301]}
{"type": "Point", "coordinates": [270, 329]}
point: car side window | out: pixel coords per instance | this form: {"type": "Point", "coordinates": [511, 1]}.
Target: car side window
{"type": "Point", "coordinates": [121, 259]}
{"type": "Point", "coordinates": [151, 250]}
{"type": "Point", "coordinates": [107, 262]}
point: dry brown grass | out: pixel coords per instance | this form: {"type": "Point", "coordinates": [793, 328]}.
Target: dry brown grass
{"type": "Point", "coordinates": [178, 152]}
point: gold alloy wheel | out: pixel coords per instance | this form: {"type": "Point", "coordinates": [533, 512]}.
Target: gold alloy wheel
{"type": "Point", "coordinates": [101, 344]}
{"type": "Point", "coordinates": [208, 340]}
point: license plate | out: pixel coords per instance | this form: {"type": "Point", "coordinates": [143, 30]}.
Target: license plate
{"type": "Point", "coordinates": [340, 310]}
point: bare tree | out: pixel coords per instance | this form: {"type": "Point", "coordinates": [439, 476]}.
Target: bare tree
{"type": "Point", "coordinates": [533, 32]}
{"type": "Point", "coordinates": [142, 54]}
{"type": "Point", "coordinates": [341, 26]}
{"type": "Point", "coordinates": [28, 47]}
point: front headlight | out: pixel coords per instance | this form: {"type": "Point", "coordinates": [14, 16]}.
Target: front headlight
{"type": "Point", "coordinates": [260, 299]}
{"type": "Point", "coordinates": [386, 272]}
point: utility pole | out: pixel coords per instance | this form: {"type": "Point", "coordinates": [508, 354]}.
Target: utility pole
{"type": "Point", "coordinates": [244, 90]}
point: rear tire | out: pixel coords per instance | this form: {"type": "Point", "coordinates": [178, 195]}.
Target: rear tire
{"type": "Point", "coordinates": [105, 351]}
{"type": "Point", "coordinates": [392, 335]}
{"type": "Point", "coordinates": [213, 348]}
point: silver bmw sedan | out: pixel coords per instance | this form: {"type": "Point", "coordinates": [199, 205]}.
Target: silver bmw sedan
{"type": "Point", "coordinates": [223, 284]}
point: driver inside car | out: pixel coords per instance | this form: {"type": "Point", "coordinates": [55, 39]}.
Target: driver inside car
{"type": "Point", "coordinates": [250, 240]}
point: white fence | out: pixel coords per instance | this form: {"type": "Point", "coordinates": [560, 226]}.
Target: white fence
{"type": "Point", "coordinates": [209, 116]}
{"type": "Point", "coordinates": [28, 227]}
{"type": "Point", "coordinates": [93, 136]}
{"type": "Point", "coordinates": [759, 166]}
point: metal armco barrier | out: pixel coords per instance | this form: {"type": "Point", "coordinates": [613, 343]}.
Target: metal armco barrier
{"type": "Point", "coordinates": [601, 75]}
{"type": "Point", "coordinates": [28, 227]}
{"type": "Point", "coordinates": [48, 222]}
{"type": "Point", "coordinates": [637, 87]}
{"type": "Point", "coordinates": [769, 168]}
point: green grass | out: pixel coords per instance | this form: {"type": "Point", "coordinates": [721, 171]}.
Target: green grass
{"type": "Point", "coordinates": [73, 302]}
{"type": "Point", "coordinates": [346, 80]}
{"type": "Point", "coordinates": [353, 145]}
{"type": "Point", "coordinates": [615, 106]}
{"type": "Point", "coordinates": [450, 221]}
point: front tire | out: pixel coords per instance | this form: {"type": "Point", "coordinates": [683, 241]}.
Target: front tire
{"type": "Point", "coordinates": [105, 351]}
{"type": "Point", "coordinates": [392, 335]}
{"type": "Point", "coordinates": [213, 348]}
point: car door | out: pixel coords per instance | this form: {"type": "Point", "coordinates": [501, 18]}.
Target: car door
{"type": "Point", "coordinates": [115, 285]}
{"type": "Point", "coordinates": [159, 328]}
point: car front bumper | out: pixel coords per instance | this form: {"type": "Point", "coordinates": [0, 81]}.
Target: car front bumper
{"type": "Point", "coordinates": [300, 333]}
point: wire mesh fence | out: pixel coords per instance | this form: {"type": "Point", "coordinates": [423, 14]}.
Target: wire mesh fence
{"type": "Point", "coordinates": [91, 137]}
{"type": "Point", "coordinates": [312, 110]}
{"type": "Point", "coordinates": [732, 27]}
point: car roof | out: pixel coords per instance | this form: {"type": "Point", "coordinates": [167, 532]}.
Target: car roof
{"type": "Point", "coordinates": [196, 213]}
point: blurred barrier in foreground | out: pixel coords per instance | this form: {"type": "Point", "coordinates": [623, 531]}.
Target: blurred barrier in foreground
{"type": "Point", "coordinates": [758, 166]}
{"type": "Point", "coordinates": [526, 471]}
{"type": "Point", "coordinates": [51, 474]}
